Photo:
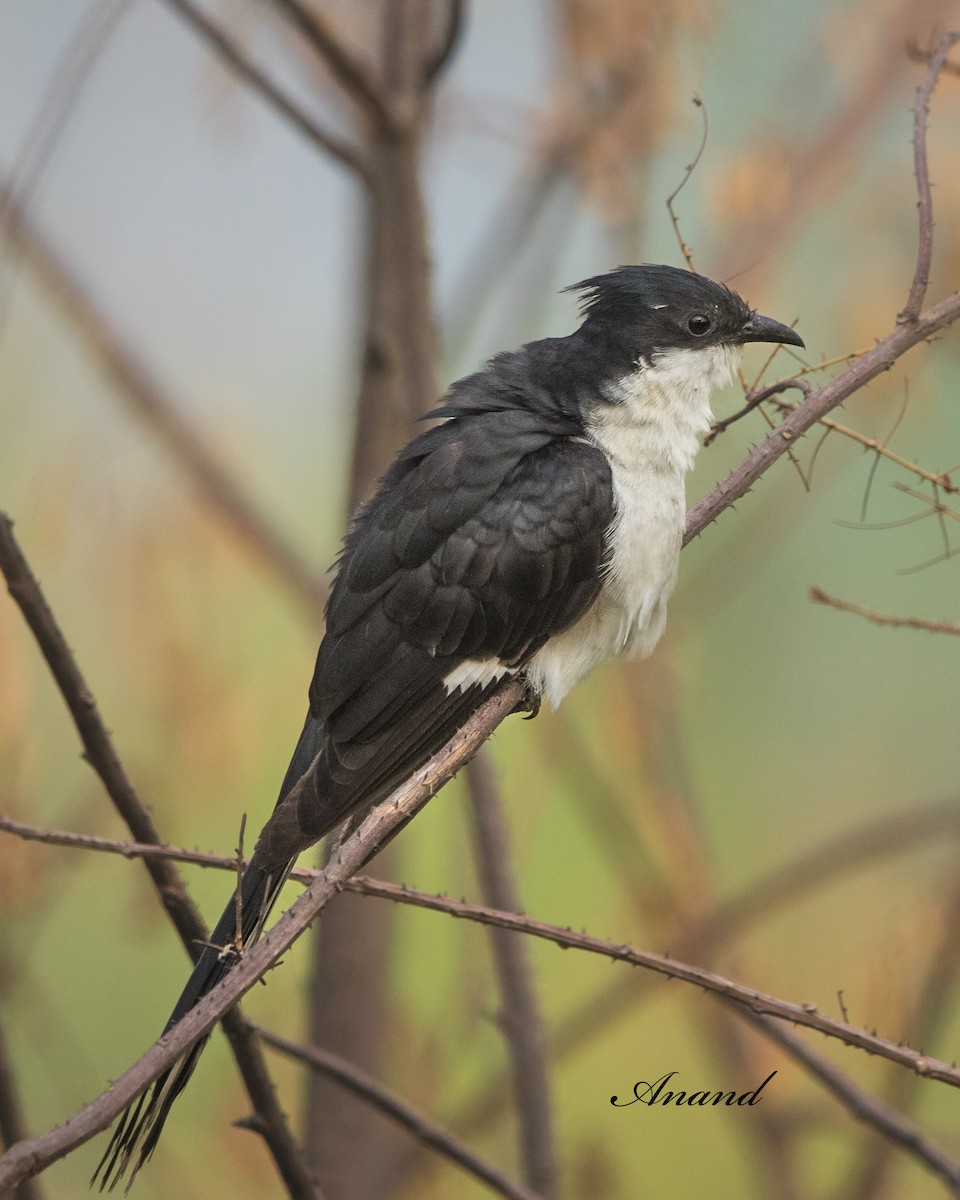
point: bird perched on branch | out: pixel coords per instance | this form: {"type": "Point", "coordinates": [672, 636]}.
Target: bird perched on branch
{"type": "Point", "coordinates": [534, 530]}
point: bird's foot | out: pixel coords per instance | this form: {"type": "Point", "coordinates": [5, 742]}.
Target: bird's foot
{"type": "Point", "coordinates": [530, 702]}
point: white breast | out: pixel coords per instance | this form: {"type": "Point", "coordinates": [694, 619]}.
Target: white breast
{"type": "Point", "coordinates": [650, 433]}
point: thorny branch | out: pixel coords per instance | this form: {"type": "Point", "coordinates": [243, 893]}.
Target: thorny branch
{"type": "Point", "coordinates": [100, 754]}
{"type": "Point", "coordinates": [688, 171]}
{"type": "Point", "coordinates": [897, 1129]}
{"type": "Point", "coordinates": [407, 800]}
{"type": "Point", "coordinates": [921, 111]}
{"type": "Point", "coordinates": [29, 1157]}
{"type": "Point", "coordinates": [867, 366]}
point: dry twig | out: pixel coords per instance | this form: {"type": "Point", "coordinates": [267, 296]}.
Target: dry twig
{"type": "Point", "coordinates": [27, 1158]}
{"type": "Point", "coordinates": [373, 1093]}
{"type": "Point", "coordinates": [819, 596]}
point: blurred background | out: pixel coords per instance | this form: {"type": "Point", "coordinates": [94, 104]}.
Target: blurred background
{"type": "Point", "coordinates": [191, 283]}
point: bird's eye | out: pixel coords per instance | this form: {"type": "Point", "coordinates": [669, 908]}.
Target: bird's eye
{"type": "Point", "coordinates": [699, 325]}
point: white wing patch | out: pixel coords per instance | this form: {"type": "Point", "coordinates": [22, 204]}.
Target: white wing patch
{"type": "Point", "coordinates": [475, 670]}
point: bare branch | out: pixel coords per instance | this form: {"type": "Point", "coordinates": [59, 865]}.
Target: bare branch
{"type": "Point", "coordinates": [896, 1129]}
{"type": "Point", "coordinates": [918, 54]}
{"type": "Point", "coordinates": [27, 1158]}
{"type": "Point", "coordinates": [443, 52]}
{"type": "Point", "coordinates": [145, 397]}
{"type": "Point", "coordinates": [231, 52]}
{"type": "Point", "coordinates": [520, 1016]}
{"type": "Point", "coordinates": [373, 1093]}
{"type": "Point", "coordinates": [921, 112]}
{"type": "Point", "coordinates": [819, 596]}
{"type": "Point", "coordinates": [820, 401]}
{"type": "Point", "coordinates": [352, 74]}
{"type": "Point", "coordinates": [888, 835]}
{"type": "Point", "coordinates": [12, 1126]}
{"type": "Point", "coordinates": [759, 901]}
{"type": "Point", "coordinates": [806, 1015]}
{"type": "Point", "coordinates": [99, 752]}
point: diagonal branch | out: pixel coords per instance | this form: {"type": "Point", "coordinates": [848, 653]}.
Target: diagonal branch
{"type": "Point", "coordinates": [100, 754]}
{"type": "Point", "coordinates": [368, 1089]}
{"type": "Point", "coordinates": [410, 798]}
{"type": "Point", "coordinates": [821, 401]}
{"type": "Point", "coordinates": [819, 596]}
{"type": "Point", "coordinates": [230, 52]}
{"type": "Point", "coordinates": [896, 1129]}
{"type": "Point", "coordinates": [27, 1158]}
{"type": "Point", "coordinates": [351, 73]}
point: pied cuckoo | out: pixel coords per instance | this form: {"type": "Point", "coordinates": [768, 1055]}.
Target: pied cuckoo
{"type": "Point", "coordinates": [535, 529]}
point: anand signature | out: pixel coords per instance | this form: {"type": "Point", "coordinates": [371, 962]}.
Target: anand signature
{"type": "Point", "coordinates": [659, 1093]}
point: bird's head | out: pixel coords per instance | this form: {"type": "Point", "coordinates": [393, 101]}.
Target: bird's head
{"type": "Point", "coordinates": [655, 313]}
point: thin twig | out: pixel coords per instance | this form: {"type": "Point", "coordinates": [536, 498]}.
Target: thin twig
{"type": "Point", "coordinates": [352, 74]}
{"type": "Point", "coordinates": [230, 51]}
{"type": "Point", "coordinates": [373, 1093]}
{"type": "Point", "coordinates": [940, 479]}
{"type": "Point", "coordinates": [520, 1016]}
{"type": "Point", "coordinates": [688, 171]}
{"type": "Point", "coordinates": [29, 1157]}
{"type": "Point", "coordinates": [819, 596]}
{"type": "Point", "coordinates": [149, 402]}
{"type": "Point", "coordinates": [806, 1015]}
{"type": "Point", "coordinates": [921, 112]}
{"type": "Point", "coordinates": [820, 402]}
{"type": "Point", "coordinates": [100, 754]}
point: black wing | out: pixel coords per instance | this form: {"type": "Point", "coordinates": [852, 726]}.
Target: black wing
{"type": "Point", "coordinates": [486, 538]}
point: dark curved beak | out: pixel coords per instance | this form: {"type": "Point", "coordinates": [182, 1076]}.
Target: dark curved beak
{"type": "Point", "coordinates": [766, 329]}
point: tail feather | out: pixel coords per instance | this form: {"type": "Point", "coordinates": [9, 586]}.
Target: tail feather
{"type": "Point", "coordinates": [142, 1123]}
{"type": "Point", "coordinates": [241, 924]}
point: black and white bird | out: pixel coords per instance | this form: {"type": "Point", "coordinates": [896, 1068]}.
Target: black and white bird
{"type": "Point", "coordinates": [534, 530]}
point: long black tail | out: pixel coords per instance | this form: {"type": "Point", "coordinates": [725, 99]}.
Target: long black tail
{"type": "Point", "coordinates": [240, 924]}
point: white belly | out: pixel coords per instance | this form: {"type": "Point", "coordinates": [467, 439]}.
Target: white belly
{"type": "Point", "coordinates": [650, 434]}
{"type": "Point", "coordinates": [629, 614]}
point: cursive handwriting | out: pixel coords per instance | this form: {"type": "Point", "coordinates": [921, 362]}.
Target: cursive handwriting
{"type": "Point", "coordinates": [658, 1093]}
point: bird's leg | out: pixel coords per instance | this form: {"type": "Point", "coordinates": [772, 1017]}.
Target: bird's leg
{"type": "Point", "coordinates": [530, 701]}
